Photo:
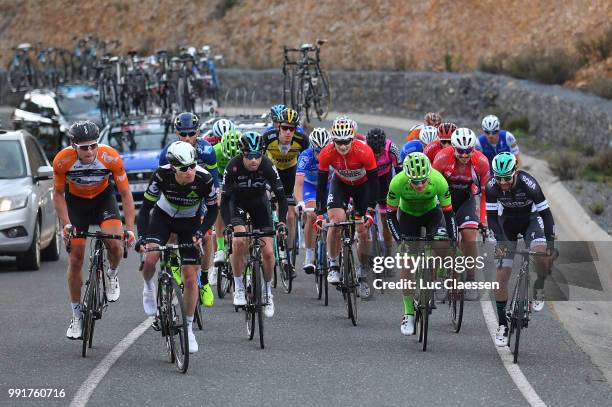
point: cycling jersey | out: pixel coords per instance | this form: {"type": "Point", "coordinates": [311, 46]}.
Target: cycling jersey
{"type": "Point", "coordinates": [523, 199]}
{"type": "Point", "coordinates": [402, 195]}
{"type": "Point", "coordinates": [88, 180]}
{"type": "Point", "coordinates": [221, 160]}
{"type": "Point", "coordinates": [309, 166]}
{"type": "Point", "coordinates": [356, 167]}
{"type": "Point", "coordinates": [246, 186]}
{"type": "Point", "coordinates": [284, 156]}
{"type": "Point", "coordinates": [460, 180]}
{"type": "Point", "coordinates": [414, 146]}
{"type": "Point", "coordinates": [390, 157]}
{"type": "Point", "coordinates": [414, 133]}
{"type": "Point", "coordinates": [431, 149]}
{"type": "Point", "coordinates": [506, 143]}
{"type": "Point", "coordinates": [206, 158]}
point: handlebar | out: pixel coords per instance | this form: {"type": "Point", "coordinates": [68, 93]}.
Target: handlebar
{"type": "Point", "coordinates": [341, 224]}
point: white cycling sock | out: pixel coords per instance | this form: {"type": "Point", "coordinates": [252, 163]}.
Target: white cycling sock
{"type": "Point", "coordinates": [76, 309]}
{"type": "Point", "coordinates": [309, 255]}
{"type": "Point", "coordinates": [333, 261]}
{"type": "Point", "coordinates": [269, 287]}
{"type": "Point", "coordinates": [238, 282]}
{"type": "Point", "coordinates": [148, 285]}
{"type": "Point", "coordinates": [112, 273]}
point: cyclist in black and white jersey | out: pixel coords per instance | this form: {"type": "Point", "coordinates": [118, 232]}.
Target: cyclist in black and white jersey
{"type": "Point", "coordinates": [244, 190]}
{"type": "Point", "coordinates": [180, 194]}
{"type": "Point", "coordinates": [525, 211]}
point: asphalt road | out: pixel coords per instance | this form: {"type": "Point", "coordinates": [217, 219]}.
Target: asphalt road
{"type": "Point", "coordinates": [313, 355]}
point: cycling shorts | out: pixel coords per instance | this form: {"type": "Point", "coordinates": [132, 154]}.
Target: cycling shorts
{"type": "Point", "coordinates": [466, 216]}
{"type": "Point", "coordinates": [383, 190]}
{"type": "Point", "coordinates": [310, 192]}
{"type": "Point", "coordinates": [258, 210]}
{"type": "Point", "coordinates": [339, 194]}
{"type": "Point", "coordinates": [532, 229]}
{"type": "Point", "coordinates": [433, 221]}
{"type": "Point", "coordinates": [162, 224]}
{"type": "Point", "coordinates": [287, 178]}
{"type": "Point", "coordinates": [101, 210]}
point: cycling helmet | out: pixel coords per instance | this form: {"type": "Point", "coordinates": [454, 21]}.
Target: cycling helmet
{"type": "Point", "coordinates": [432, 119]}
{"type": "Point", "coordinates": [504, 164]}
{"type": "Point", "coordinates": [490, 123]}
{"type": "Point", "coordinates": [428, 134]}
{"type": "Point", "coordinates": [376, 139]}
{"type": "Point", "coordinates": [319, 138]}
{"type": "Point", "coordinates": [186, 121]}
{"type": "Point", "coordinates": [445, 130]}
{"type": "Point", "coordinates": [354, 124]}
{"type": "Point", "coordinates": [83, 131]}
{"type": "Point", "coordinates": [222, 126]}
{"type": "Point", "coordinates": [180, 154]}
{"type": "Point", "coordinates": [463, 138]}
{"type": "Point", "coordinates": [416, 166]}
{"type": "Point", "coordinates": [342, 129]}
{"type": "Point", "coordinates": [251, 142]}
{"type": "Point", "coordinates": [289, 116]}
{"type": "Point", "coordinates": [275, 112]}
{"type": "Point", "coordinates": [230, 144]}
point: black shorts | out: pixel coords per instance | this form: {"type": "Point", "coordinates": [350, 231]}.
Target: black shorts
{"type": "Point", "coordinates": [532, 229]}
{"type": "Point", "coordinates": [95, 211]}
{"type": "Point", "coordinates": [162, 224]}
{"type": "Point", "coordinates": [287, 178]}
{"type": "Point", "coordinates": [433, 221]}
{"type": "Point", "coordinates": [466, 216]}
{"type": "Point", "coordinates": [383, 190]}
{"type": "Point", "coordinates": [339, 194]}
{"type": "Point", "coordinates": [258, 209]}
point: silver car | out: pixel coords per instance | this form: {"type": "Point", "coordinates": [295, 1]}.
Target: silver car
{"type": "Point", "coordinates": [29, 227]}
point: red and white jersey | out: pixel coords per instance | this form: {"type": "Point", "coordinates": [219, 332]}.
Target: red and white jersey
{"type": "Point", "coordinates": [350, 168]}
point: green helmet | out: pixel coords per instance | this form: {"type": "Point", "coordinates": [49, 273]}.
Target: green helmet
{"type": "Point", "coordinates": [229, 144]}
{"type": "Point", "coordinates": [504, 164]}
{"type": "Point", "coordinates": [416, 166]}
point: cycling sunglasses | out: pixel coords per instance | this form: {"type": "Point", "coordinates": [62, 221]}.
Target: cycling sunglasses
{"type": "Point", "coordinates": [464, 151]}
{"type": "Point", "coordinates": [185, 168]}
{"type": "Point", "coordinates": [343, 142]}
{"type": "Point", "coordinates": [419, 181]}
{"type": "Point", "coordinates": [445, 142]}
{"type": "Point", "coordinates": [86, 147]}
{"type": "Point", "coordinates": [252, 156]}
{"type": "Point", "coordinates": [187, 133]}
{"type": "Point", "coordinates": [491, 132]}
{"type": "Point", "coordinates": [287, 128]}
{"type": "Point", "coordinates": [504, 177]}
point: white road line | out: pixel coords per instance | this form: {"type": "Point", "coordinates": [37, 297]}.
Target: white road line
{"type": "Point", "coordinates": [505, 355]}
{"type": "Point", "coordinates": [95, 377]}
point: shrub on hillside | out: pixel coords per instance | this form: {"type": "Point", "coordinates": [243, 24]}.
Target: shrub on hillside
{"type": "Point", "coordinates": [599, 48]}
{"type": "Point", "coordinates": [565, 164]}
{"type": "Point", "coordinates": [602, 87]}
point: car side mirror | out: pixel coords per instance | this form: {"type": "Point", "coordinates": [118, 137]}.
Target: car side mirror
{"type": "Point", "coordinates": [44, 172]}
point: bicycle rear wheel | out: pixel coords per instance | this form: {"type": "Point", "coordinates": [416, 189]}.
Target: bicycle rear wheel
{"type": "Point", "coordinates": [177, 320]}
{"type": "Point", "coordinates": [322, 95]}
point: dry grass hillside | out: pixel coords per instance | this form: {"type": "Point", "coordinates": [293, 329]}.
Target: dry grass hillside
{"type": "Point", "coordinates": [376, 34]}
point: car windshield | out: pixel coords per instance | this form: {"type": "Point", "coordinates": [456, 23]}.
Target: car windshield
{"type": "Point", "coordinates": [12, 164]}
{"type": "Point", "coordinates": [74, 105]}
{"type": "Point", "coordinates": [139, 137]}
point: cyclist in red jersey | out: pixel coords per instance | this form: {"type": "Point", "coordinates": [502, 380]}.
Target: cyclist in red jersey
{"type": "Point", "coordinates": [354, 177]}
{"type": "Point", "coordinates": [445, 131]}
{"type": "Point", "coordinates": [463, 167]}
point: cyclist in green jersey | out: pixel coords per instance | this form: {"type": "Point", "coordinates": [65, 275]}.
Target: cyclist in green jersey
{"type": "Point", "coordinates": [225, 150]}
{"type": "Point", "coordinates": [416, 192]}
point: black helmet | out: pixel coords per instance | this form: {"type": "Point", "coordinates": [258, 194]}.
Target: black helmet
{"type": "Point", "coordinates": [83, 131]}
{"type": "Point", "coordinates": [251, 142]}
{"type": "Point", "coordinates": [289, 116]}
{"type": "Point", "coordinates": [186, 121]}
{"type": "Point", "coordinates": [376, 139]}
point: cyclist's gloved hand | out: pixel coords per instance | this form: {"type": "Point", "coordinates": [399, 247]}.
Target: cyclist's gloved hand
{"type": "Point", "coordinates": [197, 238]}
{"type": "Point", "coordinates": [368, 219]}
{"type": "Point", "coordinates": [140, 244]}
{"type": "Point", "coordinates": [131, 238]}
{"type": "Point", "coordinates": [500, 249]}
{"type": "Point", "coordinates": [229, 229]}
{"type": "Point", "coordinates": [69, 230]}
{"type": "Point", "coordinates": [300, 207]}
{"type": "Point", "coordinates": [318, 223]}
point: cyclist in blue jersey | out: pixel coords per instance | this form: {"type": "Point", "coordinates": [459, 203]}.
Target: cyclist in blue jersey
{"type": "Point", "coordinates": [494, 141]}
{"type": "Point", "coordinates": [426, 136]}
{"type": "Point", "coordinates": [305, 190]}
{"type": "Point", "coordinates": [187, 127]}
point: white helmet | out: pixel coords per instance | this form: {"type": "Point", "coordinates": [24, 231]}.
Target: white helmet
{"type": "Point", "coordinates": [490, 123]}
{"type": "Point", "coordinates": [428, 134]}
{"type": "Point", "coordinates": [343, 129]}
{"type": "Point", "coordinates": [222, 126]}
{"type": "Point", "coordinates": [463, 138]}
{"type": "Point", "coordinates": [191, 51]}
{"type": "Point", "coordinates": [180, 154]}
{"type": "Point", "coordinates": [319, 138]}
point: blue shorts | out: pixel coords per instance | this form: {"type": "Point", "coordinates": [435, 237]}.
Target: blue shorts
{"type": "Point", "coordinates": [310, 192]}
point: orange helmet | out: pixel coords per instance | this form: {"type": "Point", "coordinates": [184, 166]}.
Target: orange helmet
{"type": "Point", "coordinates": [445, 130]}
{"type": "Point", "coordinates": [432, 119]}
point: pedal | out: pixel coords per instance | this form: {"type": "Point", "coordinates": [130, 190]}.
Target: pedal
{"type": "Point", "coordinates": [156, 325]}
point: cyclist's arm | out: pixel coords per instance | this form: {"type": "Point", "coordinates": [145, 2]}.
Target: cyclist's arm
{"type": "Point", "coordinates": [482, 171]}
{"type": "Point", "coordinates": [321, 190]}
{"type": "Point", "coordinates": [298, 189]}
{"type": "Point", "coordinates": [123, 187]}
{"type": "Point", "coordinates": [392, 204]}
{"type": "Point", "coordinates": [211, 206]}
{"type": "Point", "coordinates": [541, 205]}
{"type": "Point", "coordinates": [444, 196]}
{"type": "Point", "coordinates": [227, 204]}
{"type": "Point", "coordinates": [151, 196]}
{"type": "Point", "coordinates": [492, 216]}
{"type": "Point", "coordinates": [278, 190]}
{"type": "Point", "coordinates": [371, 167]}
{"type": "Point", "coordinates": [396, 159]}
{"type": "Point", "coordinates": [302, 140]}
{"type": "Point", "coordinates": [210, 158]}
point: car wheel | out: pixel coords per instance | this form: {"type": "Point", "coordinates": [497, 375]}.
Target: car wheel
{"type": "Point", "coordinates": [52, 252]}
{"type": "Point", "coordinates": [30, 260]}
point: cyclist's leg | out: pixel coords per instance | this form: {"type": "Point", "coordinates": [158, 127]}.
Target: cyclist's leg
{"type": "Point", "coordinates": [383, 184]}
{"type": "Point", "coordinates": [467, 223]}
{"type": "Point", "coordinates": [109, 219]}
{"type": "Point", "coordinates": [336, 201]}
{"type": "Point", "coordinates": [511, 228]}
{"type": "Point", "coordinates": [408, 226]}
{"type": "Point", "coordinates": [536, 241]}
{"type": "Point", "coordinates": [219, 226]}
{"type": "Point", "coordinates": [287, 178]}
{"type": "Point", "coordinates": [261, 219]}
{"type": "Point", "coordinates": [190, 261]}
{"type": "Point", "coordinates": [309, 235]}
{"type": "Point", "coordinates": [79, 210]}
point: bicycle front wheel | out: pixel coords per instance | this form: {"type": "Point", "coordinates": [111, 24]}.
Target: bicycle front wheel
{"type": "Point", "coordinates": [350, 285]}
{"type": "Point", "coordinates": [261, 300]}
{"type": "Point", "coordinates": [249, 284]}
{"type": "Point", "coordinates": [456, 298]}
{"type": "Point", "coordinates": [88, 319]}
{"type": "Point", "coordinates": [177, 320]}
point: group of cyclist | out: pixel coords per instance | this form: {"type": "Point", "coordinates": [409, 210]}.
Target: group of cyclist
{"type": "Point", "coordinates": [432, 181]}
